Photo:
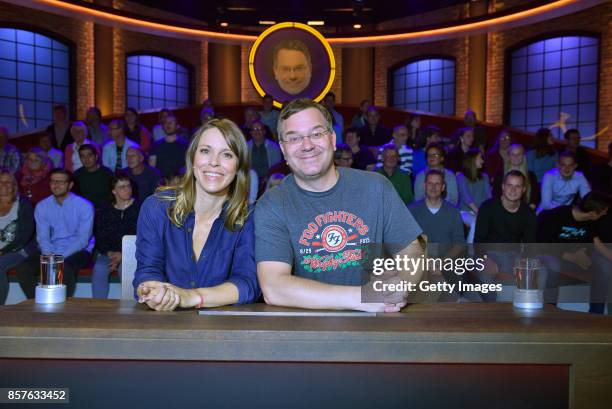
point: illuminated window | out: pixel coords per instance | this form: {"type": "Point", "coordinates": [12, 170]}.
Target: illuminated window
{"type": "Point", "coordinates": [155, 82]}
{"type": "Point", "coordinates": [425, 85]}
{"type": "Point", "coordinates": [554, 76]}
{"type": "Point", "coordinates": [34, 76]}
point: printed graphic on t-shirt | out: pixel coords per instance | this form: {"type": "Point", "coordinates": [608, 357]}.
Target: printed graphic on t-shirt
{"type": "Point", "coordinates": [572, 233]}
{"type": "Point", "coordinates": [333, 240]}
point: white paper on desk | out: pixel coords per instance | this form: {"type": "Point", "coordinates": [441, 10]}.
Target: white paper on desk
{"type": "Point", "coordinates": [288, 313]}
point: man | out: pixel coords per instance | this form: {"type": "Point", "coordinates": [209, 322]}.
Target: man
{"type": "Point", "coordinates": [560, 185]}
{"type": "Point", "coordinates": [98, 132]}
{"type": "Point", "coordinates": [168, 154]}
{"type": "Point", "coordinates": [400, 140]}
{"type": "Point", "coordinates": [465, 141]}
{"type": "Point", "coordinates": [113, 153]}
{"type": "Point", "coordinates": [435, 154]}
{"type": "Point", "coordinates": [263, 152]}
{"type": "Point", "coordinates": [363, 158]}
{"type": "Point", "coordinates": [583, 160]}
{"type": "Point", "coordinates": [269, 115]}
{"type": "Point", "coordinates": [60, 128]}
{"type": "Point", "coordinates": [72, 160]}
{"type": "Point", "coordinates": [145, 178]}
{"type": "Point", "coordinates": [292, 66]}
{"type": "Point", "coordinates": [329, 102]}
{"type": "Point", "coordinates": [373, 133]}
{"type": "Point", "coordinates": [64, 224]}
{"type": "Point", "coordinates": [318, 218]}
{"type": "Point", "coordinates": [399, 179]}
{"type": "Point", "coordinates": [92, 179]}
{"type": "Point", "coordinates": [46, 144]}
{"type": "Point", "coordinates": [250, 116]}
{"type": "Point", "coordinates": [359, 120]}
{"type": "Point", "coordinates": [9, 154]}
{"type": "Point", "coordinates": [343, 156]}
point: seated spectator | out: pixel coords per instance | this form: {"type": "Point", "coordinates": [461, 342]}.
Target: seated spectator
{"type": "Point", "coordinates": [583, 160]}
{"type": "Point", "coordinates": [517, 161]}
{"type": "Point", "coordinates": [158, 130]}
{"type": "Point", "coordinates": [359, 119]}
{"type": "Point", "coordinates": [429, 136]}
{"type": "Point", "coordinates": [60, 128]}
{"type": "Point", "coordinates": [373, 133]}
{"type": "Point", "coordinates": [10, 158]}
{"type": "Point", "coordinates": [64, 224]}
{"type": "Point", "coordinates": [560, 185]}
{"type": "Point", "coordinates": [97, 131]}
{"type": "Point", "coordinates": [146, 178]}
{"type": "Point", "coordinates": [480, 135]}
{"type": "Point", "coordinates": [497, 155]}
{"type": "Point", "coordinates": [16, 229]}
{"type": "Point", "coordinates": [413, 124]}
{"type": "Point", "coordinates": [264, 152]}
{"type": "Point", "coordinates": [92, 180]}
{"type": "Point", "coordinates": [113, 221]}
{"type": "Point", "coordinates": [363, 158]}
{"type": "Point", "coordinates": [435, 160]}
{"type": "Point", "coordinates": [390, 168]}
{"type": "Point", "coordinates": [601, 286]}
{"type": "Point", "coordinates": [206, 114]}
{"type": "Point", "coordinates": [465, 141]}
{"type": "Point", "coordinates": [135, 131]}
{"type": "Point", "coordinates": [56, 156]}
{"type": "Point", "coordinates": [602, 174]}
{"type": "Point", "coordinates": [543, 157]}
{"type": "Point", "coordinates": [269, 115]}
{"type": "Point", "coordinates": [114, 152]}
{"type": "Point", "coordinates": [343, 156]}
{"type": "Point", "coordinates": [575, 227]}
{"type": "Point", "coordinates": [34, 176]}
{"type": "Point", "coordinates": [474, 188]}
{"type": "Point", "coordinates": [168, 154]}
{"type": "Point", "coordinates": [400, 140]}
{"type": "Point", "coordinates": [329, 102]}
{"type": "Point", "coordinates": [254, 186]}
{"type": "Point", "coordinates": [72, 161]}
{"type": "Point", "coordinates": [250, 116]}
{"type": "Point", "coordinates": [274, 180]}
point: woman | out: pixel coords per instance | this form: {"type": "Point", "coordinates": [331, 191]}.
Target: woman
{"type": "Point", "coordinates": [435, 160]}
{"type": "Point", "coordinates": [34, 175]}
{"type": "Point", "coordinates": [112, 223]}
{"type": "Point", "coordinates": [517, 161]}
{"type": "Point", "coordinates": [158, 130]}
{"type": "Point", "coordinates": [474, 188]}
{"type": "Point", "coordinates": [16, 229]}
{"type": "Point", "coordinates": [413, 123]}
{"type": "Point", "coordinates": [135, 131]}
{"type": "Point", "coordinates": [195, 245]}
{"type": "Point", "coordinates": [429, 136]}
{"type": "Point", "coordinates": [498, 153]}
{"type": "Point", "coordinates": [543, 157]}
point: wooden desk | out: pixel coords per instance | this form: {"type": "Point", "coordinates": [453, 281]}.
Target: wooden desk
{"type": "Point", "coordinates": [452, 350]}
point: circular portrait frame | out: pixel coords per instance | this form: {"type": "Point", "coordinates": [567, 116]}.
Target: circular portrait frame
{"type": "Point", "coordinates": [292, 60]}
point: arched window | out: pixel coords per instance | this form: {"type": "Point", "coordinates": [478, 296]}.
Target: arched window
{"type": "Point", "coordinates": [553, 79]}
{"type": "Point", "coordinates": [155, 82]}
{"type": "Point", "coordinates": [34, 76]}
{"type": "Point", "coordinates": [425, 85]}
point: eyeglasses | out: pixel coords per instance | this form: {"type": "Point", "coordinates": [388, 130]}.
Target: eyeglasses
{"type": "Point", "coordinates": [295, 139]}
{"type": "Point", "coordinates": [434, 155]}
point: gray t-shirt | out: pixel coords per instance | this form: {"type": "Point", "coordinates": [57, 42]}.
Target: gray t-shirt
{"type": "Point", "coordinates": [329, 236]}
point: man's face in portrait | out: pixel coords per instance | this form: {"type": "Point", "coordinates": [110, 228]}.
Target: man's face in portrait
{"type": "Point", "coordinates": [292, 71]}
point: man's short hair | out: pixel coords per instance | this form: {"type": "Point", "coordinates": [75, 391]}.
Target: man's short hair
{"type": "Point", "coordinates": [567, 154]}
{"type": "Point", "coordinates": [437, 146]}
{"type": "Point", "coordinates": [295, 45]}
{"type": "Point", "coordinates": [88, 146]}
{"type": "Point", "coordinates": [594, 202]}
{"type": "Point", "coordinates": [434, 172]}
{"type": "Point", "coordinates": [120, 123]}
{"type": "Point", "coordinates": [515, 173]}
{"type": "Point", "coordinates": [299, 105]}
{"type": "Point", "coordinates": [389, 147]}
{"type": "Point", "coordinates": [351, 130]}
{"type": "Point", "coordinates": [61, 171]}
{"type": "Point", "coordinates": [341, 148]}
{"type": "Point", "coordinates": [400, 126]}
{"type": "Point", "coordinates": [570, 131]}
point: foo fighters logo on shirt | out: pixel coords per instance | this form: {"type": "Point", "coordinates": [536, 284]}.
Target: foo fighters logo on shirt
{"type": "Point", "coordinates": [333, 240]}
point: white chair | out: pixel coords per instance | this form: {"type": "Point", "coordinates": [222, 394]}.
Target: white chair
{"type": "Point", "coordinates": [128, 266]}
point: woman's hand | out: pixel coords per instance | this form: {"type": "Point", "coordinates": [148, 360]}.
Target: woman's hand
{"type": "Point", "coordinates": [158, 296]}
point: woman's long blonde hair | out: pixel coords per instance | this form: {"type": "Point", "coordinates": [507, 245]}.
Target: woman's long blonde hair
{"type": "Point", "coordinates": [183, 194]}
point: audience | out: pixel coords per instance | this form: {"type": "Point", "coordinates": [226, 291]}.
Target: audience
{"type": "Point", "coordinates": [135, 131]}
{"type": "Point", "coordinates": [516, 160]}
{"type": "Point", "coordinates": [72, 161]}
{"type": "Point", "coordinates": [480, 135]}
{"type": "Point", "coordinates": [474, 188]}
{"type": "Point", "coordinates": [92, 180]}
{"type": "Point", "coordinates": [560, 185]}
{"type": "Point", "coordinates": [250, 116]}
{"type": "Point", "coordinates": [435, 160]}
{"type": "Point", "coordinates": [464, 142]}
{"type": "Point", "coordinates": [16, 229]}
{"type": "Point", "coordinates": [56, 156]}
{"type": "Point", "coordinates": [497, 155]}
{"type": "Point", "coordinates": [583, 160]}
{"type": "Point", "coordinates": [413, 124]}
{"type": "Point", "coordinates": [168, 154]}
{"type": "Point", "coordinates": [429, 136]}
{"type": "Point", "coordinates": [269, 115]}
{"type": "Point", "coordinates": [34, 176]}
{"type": "Point", "coordinates": [359, 120]}
{"type": "Point", "coordinates": [264, 153]}
{"type": "Point", "coordinates": [373, 132]}
{"type": "Point", "coordinates": [329, 102]}
{"type": "Point", "coordinates": [98, 132]}
{"type": "Point", "coordinates": [158, 130]}
{"type": "Point", "coordinates": [145, 178]}
{"type": "Point", "coordinates": [399, 179]}
{"type": "Point", "coordinates": [400, 140]}
{"type": "Point", "coordinates": [543, 157]}
{"type": "Point", "coordinates": [343, 156]}
{"type": "Point", "coordinates": [9, 155]}
{"type": "Point", "coordinates": [113, 153]}
{"type": "Point", "coordinates": [363, 158]}
{"type": "Point", "coordinates": [60, 128]}
{"type": "Point", "coordinates": [113, 221]}
{"type": "Point", "coordinates": [64, 223]}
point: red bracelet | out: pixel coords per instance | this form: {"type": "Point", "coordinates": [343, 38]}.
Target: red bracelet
{"type": "Point", "coordinates": [201, 304]}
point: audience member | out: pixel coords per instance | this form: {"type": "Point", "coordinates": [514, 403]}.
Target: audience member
{"type": "Point", "coordinates": [16, 229]}
{"type": "Point", "coordinates": [497, 155]}
{"type": "Point", "coordinates": [168, 154]}
{"type": "Point", "coordinates": [465, 141]}
{"type": "Point", "coordinates": [543, 157]}
{"type": "Point", "coordinates": [72, 161]}
{"type": "Point", "coordinates": [329, 102]}
{"type": "Point", "coordinates": [92, 180]}
{"type": "Point", "coordinates": [516, 160]}
{"type": "Point", "coordinates": [560, 185]}
{"type": "Point", "coordinates": [399, 179]}
{"type": "Point", "coordinates": [602, 175]}
{"type": "Point", "coordinates": [60, 128]}
{"type": "Point", "coordinates": [34, 175]}
{"type": "Point", "coordinates": [343, 156]}
{"type": "Point", "coordinates": [56, 156]}
{"type": "Point", "coordinates": [400, 140]}
{"type": "Point", "coordinates": [429, 136]}
{"type": "Point", "coordinates": [363, 158]}
{"type": "Point", "coordinates": [158, 130]}
{"type": "Point", "coordinates": [97, 131]}
{"type": "Point", "coordinates": [113, 153]}
{"type": "Point", "coordinates": [264, 153]}
{"type": "Point", "coordinates": [135, 131]}
{"type": "Point", "coordinates": [250, 115]}
{"type": "Point", "coordinates": [146, 178]}
{"type": "Point", "coordinates": [64, 223]}
{"type": "Point", "coordinates": [113, 221]}
{"type": "Point", "coordinates": [254, 186]}
{"type": "Point", "coordinates": [206, 114]}
{"type": "Point", "coordinates": [474, 188]}
{"type": "Point", "coordinates": [480, 135]}
{"type": "Point", "coordinates": [583, 159]}
{"type": "Point", "coordinates": [413, 124]}
{"type": "Point", "coordinates": [9, 154]}
{"type": "Point", "coordinates": [269, 115]}
{"type": "Point", "coordinates": [373, 132]}
{"type": "Point", "coordinates": [359, 120]}
{"type": "Point", "coordinates": [435, 160]}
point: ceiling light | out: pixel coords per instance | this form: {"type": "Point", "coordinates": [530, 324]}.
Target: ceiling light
{"type": "Point", "coordinates": [357, 26]}
{"type": "Point", "coordinates": [267, 22]}
{"type": "Point", "coordinates": [224, 24]}
{"type": "Point", "coordinates": [316, 23]}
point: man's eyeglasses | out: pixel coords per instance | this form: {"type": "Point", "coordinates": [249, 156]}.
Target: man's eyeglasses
{"type": "Point", "coordinates": [295, 139]}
